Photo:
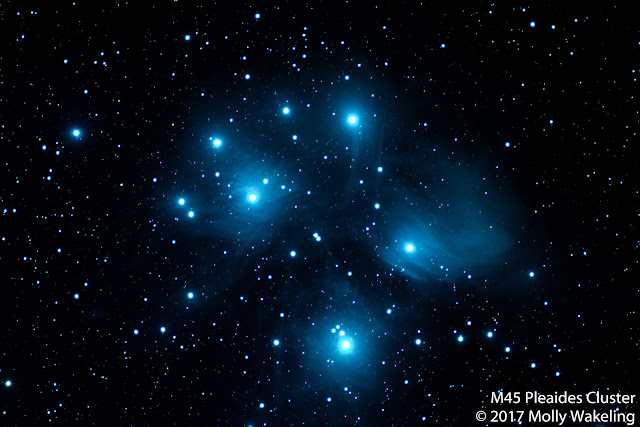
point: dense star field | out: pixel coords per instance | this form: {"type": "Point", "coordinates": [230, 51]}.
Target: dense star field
{"type": "Point", "coordinates": [314, 213]}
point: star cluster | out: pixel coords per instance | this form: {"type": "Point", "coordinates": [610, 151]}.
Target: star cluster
{"type": "Point", "coordinates": [309, 214]}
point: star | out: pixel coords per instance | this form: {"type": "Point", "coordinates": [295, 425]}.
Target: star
{"type": "Point", "coordinates": [276, 342]}
{"type": "Point", "coordinates": [76, 133]}
{"type": "Point", "coordinates": [187, 37]}
{"type": "Point", "coordinates": [163, 329]}
{"type": "Point", "coordinates": [352, 119]}
{"type": "Point", "coordinates": [409, 248]}
{"type": "Point", "coordinates": [345, 345]}
{"type": "Point", "coordinates": [191, 214]}
{"type": "Point", "coordinates": [8, 383]}
{"type": "Point", "coordinates": [292, 254]}
{"type": "Point", "coordinates": [418, 341]}
{"type": "Point", "coordinates": [217, 142]}
{"type": "Point", "coordinates": [286, 111]}
{"type": "Point", "coordinates": [190, 295]}
{"type": "Point", "coordinates": [489, 334]}
{"type": "Point", "coordinates": [252, 197]}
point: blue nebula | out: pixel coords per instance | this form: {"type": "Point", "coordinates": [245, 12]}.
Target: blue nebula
{"type": "Point", "coordinates": [286, 111]}
{"type": "Point", "coordinates": [190, 295]}
{"type": "Point", "coordinates": [76, 133]}
{"type": "Point", "coordinates": [352, 120]}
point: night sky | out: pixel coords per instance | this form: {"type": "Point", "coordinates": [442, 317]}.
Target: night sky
{"type": "Point", "coordinates": [314, 213]}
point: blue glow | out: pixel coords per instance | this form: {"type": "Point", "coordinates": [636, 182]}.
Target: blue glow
{"type": "Point", "coordinates": [293, 254]}
{"type": "Point", "coordinates": [217, 142]}
{"type": "Point", "coordinates": [531, 274]}
{"type": "Point", "coordinates": [252, 197]}
{"type": "Point", "coordinates": [418, 341]}
{"type": "Point", "coordinates": [532, 24]}
{"type": "Point", "coordinates": [460, 338]}
{"type": "Point", "coordinates": [181, 201]}
{"type": "Point", "coordinates": [345, 345]}
{"type": "Point", "coordinates": [507, 349]}
{"type": "Point", "coordinates": [489, 334]}
{"type": "Point", "coordinates": [190, 295]}
{"type": "Point", "coordinates": [136, 332]}
{"type": "Point", "coordinates": [265, 181]}
{"type": "Point", "coordinates": [191, 214]}
{"type": "Point", "coordinates": [352, 120]}
{"type": "Point", "coordinates": [276, 342]}
{"type": "Point", "coordinates": [286, 111]}
{"type": "Point", "coordinates": [409, 248]}
{"type": "Point", "coordinates": [533, 365]}
{"type": "Point", "coordinates": [76, 132]}
{"type": "Point", "coordinates": [163, 329]}
{"type": "Point", "coordinates": [8, 383]}
{"type": "Point", "coordinates": [187, 37]}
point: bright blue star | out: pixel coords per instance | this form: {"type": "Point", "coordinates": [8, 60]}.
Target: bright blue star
{"type": "Point", "coordinates": [507, 144]}
{"type": "Point", "coordinates": [377, 206]}
{"type": "Point", "coordinates": [531, 274]}
{"type": "Point", "coordinates": [136, 332]}
{"type": "Point", "coordinates": [489, 334]}
{"type": "Point", "coordinates": [190, 295]}
{"type": "Point", "coordinates": [507, 349]}
{"type": "Point", "coordinates": [247, 76]}
{"type": "Point", "coordinates": [187, 37]}
{"type": "Point", "coordinates": [217, 142]}
{"type": "Point", "coordinates": [252, 197]}
{"type": "Point", "coordinates": [286, 111]}
{"type": "Point", "coordinates": [409, 248]}
{"type": "Point", "coordinates": [352, 119]}
{"type": "Point", "coordinates": [8, 383]}
{"type": "Point", "coordinates": [345, 345]}
{"type": "Point", "coordinates": [163, 329]}
{"type": "Point", "coordinates": [181, 201]}
{"type": "Point", "coordinates": [460, 338]}
{"type": "Point", "coordinates": [418, 341]}
{"type": "Point", "coordinates": [257, 16]}
{"type": "Point", "coordinates": [380, 169]}
{"type": "Point", "coordinates": [533, 365]}
{"type": "Point", "coordinates": [532, 24]}
{"type": "Point", "coordinates": [76, 132]}
{"type": "Point", "coordinates": [292, 254]}
{"type": "Point", "coordinates": [388, 311]}
{"type": "Point", "coordinates": [76, 296]}
{"type": "Point", "coordinates": [265, 181]}
{"type": "Point", "coordinates": [276, 342]}
{"type": "Point", "coordinates": [191, 214]}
